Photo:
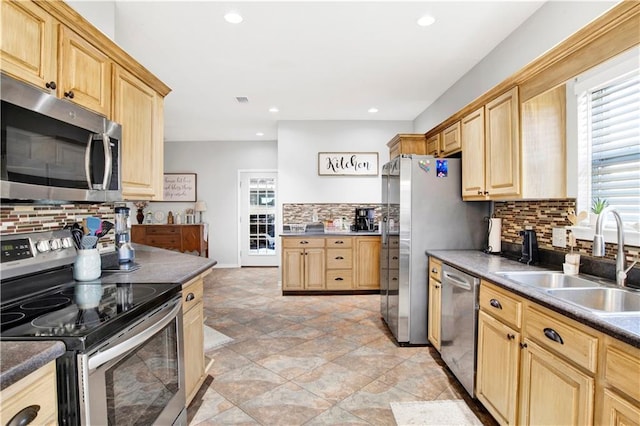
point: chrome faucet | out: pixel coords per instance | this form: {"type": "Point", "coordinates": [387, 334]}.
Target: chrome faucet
{"type": "Point", "coordinates": [598, 245]}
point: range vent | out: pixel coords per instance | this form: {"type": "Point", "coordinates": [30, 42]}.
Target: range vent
{"type": "Point", "coordinates": [242, 99]}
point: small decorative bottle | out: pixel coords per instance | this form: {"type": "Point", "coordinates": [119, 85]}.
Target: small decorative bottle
{"type": "Point", "coordinates": [170, 218]}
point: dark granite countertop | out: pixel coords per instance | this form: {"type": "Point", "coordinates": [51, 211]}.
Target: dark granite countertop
{"type": "Point", "coordinates": [161, 266]}
{"type": "Point", "coordinates": [330, 234]}
{"type": "Point", "coordinates": [19, 359]}
{"type": "Point", "coordinates": [623, 327]}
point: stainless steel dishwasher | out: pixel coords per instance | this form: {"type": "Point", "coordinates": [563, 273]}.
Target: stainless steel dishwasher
{"type": "Point", "coordinates": [458, 324]}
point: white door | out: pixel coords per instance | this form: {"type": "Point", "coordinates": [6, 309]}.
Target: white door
{"type": "Point", "coordinates": [258, 218]}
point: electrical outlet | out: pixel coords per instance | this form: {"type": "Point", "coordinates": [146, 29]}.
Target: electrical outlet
{"type": "Point", "coordinates": [559, 237]}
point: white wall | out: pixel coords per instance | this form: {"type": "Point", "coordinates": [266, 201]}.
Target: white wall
{"type": "Point", "coordinates": [551, 24]}
{"type": "Point", "coordinates": [216, 165]}
{"type": "Point", "coordinates": [101, 13]}
{"type": "Point", "coordinates": [299, 143]}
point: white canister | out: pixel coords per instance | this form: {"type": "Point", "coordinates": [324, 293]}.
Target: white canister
{"type": "Point", "coordinates": [87, 265]}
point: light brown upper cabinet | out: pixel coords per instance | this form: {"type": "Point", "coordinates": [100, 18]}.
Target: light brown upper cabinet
{"type": "Point", "coordinates": [405, 143]}
{"type": "Point", "coordinates": [491, 149]}
{"type": "Point", "coordinates": [502, 145]}
{"type": "Point", "coordinates": [450, 140]}
{"type": "Point", "coordinates": [28, 42]}
{"type": "Point", "coordinates": [85, 73]}
{"type": "Point", "coordinates": [433, 145]}
{"type": "Point", "coordinates": [473, 164]}
{"type": "Point", "coordinates": [138, 108]}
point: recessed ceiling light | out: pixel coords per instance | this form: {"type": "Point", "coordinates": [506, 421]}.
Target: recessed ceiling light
{"type": "Point", "coordinates": [259, 134]}
{"type": "Point", "coordinates": [426, 20]}
{"type": "Point", "coordinates": [233, 17]}
{"type": "Point", "coordinates": [373, 110]}
{"type": "Point", "coordinates": [274, 109]}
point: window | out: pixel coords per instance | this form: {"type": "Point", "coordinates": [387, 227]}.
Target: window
{"type": "Point", "coordinates": [608, 107]}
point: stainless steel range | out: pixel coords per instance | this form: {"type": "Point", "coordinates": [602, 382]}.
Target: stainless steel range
{"type": "Point", "coordinates": [124, 353]}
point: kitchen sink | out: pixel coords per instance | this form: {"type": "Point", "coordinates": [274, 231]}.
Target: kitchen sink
{"type": "Point", "coordinates": [605, 300]}
{"type": "Point", "coordinates": [549, 279]}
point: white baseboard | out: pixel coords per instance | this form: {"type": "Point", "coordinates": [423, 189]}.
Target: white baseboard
{"type": "Point", "coordinates": [226, 265]}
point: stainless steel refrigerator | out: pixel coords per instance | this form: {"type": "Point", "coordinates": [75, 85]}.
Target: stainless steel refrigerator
{"type": "Point", "coordinates": [422, 209]}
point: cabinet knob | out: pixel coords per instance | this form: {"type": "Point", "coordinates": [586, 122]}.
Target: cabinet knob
{"type": "Point", "coordinates": [510, 336]}
{"type": "Point", "coordinates": [190, 297]}
{"type": "Point", "coordinates": [25, 416]}
{"type": "Point", "coordinates": [339, 242]}
{"type": "Point", "coordinates": [495, 303]}
{"type": "Point", "coordinates": [437, 286]}
{"type": "Point", "coordinates": [304, 242]}
{"type": "Point", "coordinates": [51, 85]}
{"type": "Point", "coordinates": [434, 270]}
{"type": "Point", "coordinates": [486, 192]}
{"type": "Point", "coordinates": [523, 345]}
{"type": "Point", "coordinates": [69, 94]}
{"type": "Point", "coordinates": [479, 192]}
{"type": "Point", "coordinates": [339, 257]}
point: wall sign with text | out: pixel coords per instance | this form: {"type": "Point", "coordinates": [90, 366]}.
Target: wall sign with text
{"type": "Point", "coordinates": [348, 163]}
{"type": "Point", "coordinates": [180, 187]}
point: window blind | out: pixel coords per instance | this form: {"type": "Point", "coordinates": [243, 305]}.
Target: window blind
{"type": "Point", "coordinates": [613, 119]}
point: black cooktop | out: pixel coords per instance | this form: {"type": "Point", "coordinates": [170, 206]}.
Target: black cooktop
{"type": "Point", "coordinates": [81, 314]}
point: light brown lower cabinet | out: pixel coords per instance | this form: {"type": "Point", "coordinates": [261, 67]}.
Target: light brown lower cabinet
{"type": "Point", "coordinates": [538, 367]}
{"type": "Point", "coordinates": [36, 389]}
{"type": "Point", "coordinates": [434, 312]}
{"type": "Point", "coordinates": [319, 263]}
{"type": "Point", "coordinates": [193, 331]}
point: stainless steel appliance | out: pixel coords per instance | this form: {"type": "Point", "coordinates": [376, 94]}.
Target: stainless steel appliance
{"type": "Point", "coordinates": [124, 353]}
{"type": "Point", "coordinates": [365, 219]}
{"type": "Point", "coordinates": [459, 324]}
{"type": "Point", "coordinates": [55, 150]}
{"type": "Point", "coordinates": [529, 247]}
{"type": "Point", "coordinates": [125, 251]}
{"type": "Point", "coordinates": [422, 210]}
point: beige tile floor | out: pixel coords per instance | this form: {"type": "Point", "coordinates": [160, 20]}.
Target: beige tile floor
{"type": "Point", "coordinates": [308, 360]}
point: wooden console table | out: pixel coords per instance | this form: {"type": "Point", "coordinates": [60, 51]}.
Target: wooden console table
{"type": "Point", "coordinates": [183, 238]}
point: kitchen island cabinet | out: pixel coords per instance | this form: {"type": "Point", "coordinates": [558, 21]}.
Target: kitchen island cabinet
{"type": "Point", "coordinates": [345, 263]}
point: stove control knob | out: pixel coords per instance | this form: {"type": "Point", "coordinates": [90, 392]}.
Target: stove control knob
{"type": "Point", "coordinates": [43, 246]}
{"type": "Point", "coordinates": [67, 242]}
{"type": "Point", "coordinates": [55, 244]}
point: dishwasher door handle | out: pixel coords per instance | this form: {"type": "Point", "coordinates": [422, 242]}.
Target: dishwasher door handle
{"type": "Point", "coordinates": [457, 281]}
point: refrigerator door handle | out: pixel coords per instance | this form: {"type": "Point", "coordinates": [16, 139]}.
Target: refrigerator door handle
{"type": "Point", "coordinates": [383, 231]}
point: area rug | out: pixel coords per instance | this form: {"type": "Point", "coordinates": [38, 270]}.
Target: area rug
{"type": "Point", "coordinates": [434, 413]}
{"type": "Point", "coordinates": [214, 339]}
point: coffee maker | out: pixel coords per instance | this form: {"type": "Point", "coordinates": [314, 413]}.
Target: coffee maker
{"type": "Point", "coordinates": [529, 247]}
{"type": "Point", "coordinates": [123, 235]}
{"type": "Point", "coordinates": [365, 219]}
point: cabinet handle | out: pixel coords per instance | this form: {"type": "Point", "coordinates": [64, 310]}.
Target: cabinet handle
{"type": "Point", "coordinates": [339, 279]}
{"type": "Point", "coordinates": [394, 279]}
{"type": "Point", "coordinates": [69, 94]}
{"type": "Point", "coordinates": [510, 336]}
{"type": "Point", "coordinates": [437, 286]}
{"type": "Point", "coordinates": [190, 297]}
{"type": "Point", "coordinates": [25, 416]}
{"type": "Point", "coordinates": [496, 304]}
{"type": "Point", "coordinates": [51, 85]}
{"type": "Point", "coordinates": [395, 258]}
{"type": "Point", "coordinates": [486, 192]}
{"type": "Point", "coordinates": [523, 346]}
{"type": "Point", "coordinates": [339, 258]}
{"type": "Point", "coordinates": [338, 242]}
{"type": "Point", "coordinates": [434, 270]}
{"type": "Point", "coordinates": [551, 334]}
{"type": "Point", "coordinates": [304, 242]}
{"type": "Point", "coordinates": [479, 192]}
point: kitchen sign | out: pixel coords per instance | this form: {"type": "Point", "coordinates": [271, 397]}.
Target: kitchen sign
{"type": "Point", "coordinates": [348, 163]}
{"type": "Point", "coordinates": [180, 187]}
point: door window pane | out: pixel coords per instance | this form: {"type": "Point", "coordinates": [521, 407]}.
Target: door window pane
{"type": "Point", "coordinates": [262, 216]}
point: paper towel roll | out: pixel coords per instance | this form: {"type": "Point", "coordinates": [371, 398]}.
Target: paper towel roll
{"type": "Point", "coordinates": [495, 234]}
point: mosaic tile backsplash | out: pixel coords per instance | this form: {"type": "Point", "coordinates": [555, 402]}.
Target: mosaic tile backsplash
{"type": "Point", "coordinates": [24, 218]}
{"type": "Point", "coordinates": [303, 213]}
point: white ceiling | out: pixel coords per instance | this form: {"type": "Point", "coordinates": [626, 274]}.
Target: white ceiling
{"type": "Point", "coordinates": [313, 60]}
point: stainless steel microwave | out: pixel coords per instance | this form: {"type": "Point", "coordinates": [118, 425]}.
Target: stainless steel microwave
{"type": "Point", "coordinates": [54, 150]}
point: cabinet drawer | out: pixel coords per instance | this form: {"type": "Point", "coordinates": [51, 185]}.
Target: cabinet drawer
{"type": "Point", "coordinates": [339, 242]}
{"type": "Point", "coordinates": [163, 241]}
{"type": "Point", "coordinates": [500, 305]}
{"type": "Point", "coordinates": [435, 269]}
{"type": "Point", "coordinates": [192, 294]}
{"type": "Point", "coordinates": [38, 388]}
{"type": "Point", "coordinates": [162, 230]}
{"type": "Point", "coordinates": [339, 259]}
{"type": "Point", "coordinates": [302, 242]}
{"type": "Point", "coordinates": [560, 336]}
{"type": "Point", "coordinates": [338, 279]}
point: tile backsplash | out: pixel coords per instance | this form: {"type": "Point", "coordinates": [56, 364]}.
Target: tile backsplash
{"type": "Point", "coordinates": [303, 213]}
{"type": "Point", "coordinates": [24, 218]}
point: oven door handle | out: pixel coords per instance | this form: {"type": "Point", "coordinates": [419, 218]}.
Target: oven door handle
{"type": "Point", "coordinates": [102, 357]}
